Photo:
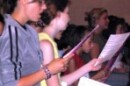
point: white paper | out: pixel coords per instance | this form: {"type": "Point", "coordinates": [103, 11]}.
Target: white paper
{"type": "Point", "coordinates": [113, 44]}
{"type": "Point", "coordinates": [117, 63]}
{"type": "Point", "coordinates": [84, 81]}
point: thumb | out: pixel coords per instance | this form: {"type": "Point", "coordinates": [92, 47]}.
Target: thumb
{"type": "Point", "coordinates": [67, 59]}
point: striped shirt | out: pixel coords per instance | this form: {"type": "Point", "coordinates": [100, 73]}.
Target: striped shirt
{"type": "Point", "coordinates": [20, 52]}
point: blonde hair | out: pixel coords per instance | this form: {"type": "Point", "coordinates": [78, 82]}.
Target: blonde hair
{"type": "Point", "coordinates": [93, 15]}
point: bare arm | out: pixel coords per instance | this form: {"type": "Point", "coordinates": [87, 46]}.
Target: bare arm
{"type": "Point", "coordinates": [48, 53]}
{"type": "Point", "coordinates": [72, 77]}
{"type": "Point", "coordinates": [32, 79]}
{"type": "Point", "coordinates": [55, 66]}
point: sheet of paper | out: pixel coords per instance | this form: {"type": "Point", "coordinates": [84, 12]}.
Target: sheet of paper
{"type": "Point", "coordinates": [84, 81]}
{"type": "Point", "coordinates": [112, 46]}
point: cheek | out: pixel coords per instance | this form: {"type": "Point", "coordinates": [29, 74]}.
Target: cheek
{"type": "Point", "coordinates": [33, 13]}
{"type": "Point", "coordinates": [103, 23]}
{"type": "Point", "coordinates": [63, 24]}
{"type": "Point", "coordinates": [86, 47]}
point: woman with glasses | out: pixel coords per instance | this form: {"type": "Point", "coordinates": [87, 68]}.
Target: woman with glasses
{"type": "Point", "coordinates": [20, 54]}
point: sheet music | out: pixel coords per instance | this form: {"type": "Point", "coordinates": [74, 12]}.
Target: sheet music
{"type": "Point", "coordinates": [113, 44]}
{"type": "Point", "coordinates": [84, 81]}
{"type": "Point", "coordinates": [116, 64]}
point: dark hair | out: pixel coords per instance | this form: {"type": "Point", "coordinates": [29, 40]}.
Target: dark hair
{"type": "Point", "coordinates": [77, 35]}
{"type": "Point", "coordinates": [52, 7]}
{"type": "Point", "coordinates": [9, 5]}
{"type": "Point", "coordinates": [72, 36]}
{"type": "Point", "coordinates": [93, 15]}
{"type": "Point", "coordinates": [2, 19]}
{"type": "Point", "coordinates": [114, 21]}
{"type": "Point", "coordinates": [63, 43]}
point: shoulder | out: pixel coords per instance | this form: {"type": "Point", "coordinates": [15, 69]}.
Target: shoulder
{"type": "Point", "coordinates": [46, 44]}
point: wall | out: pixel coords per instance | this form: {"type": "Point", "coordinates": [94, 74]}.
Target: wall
{"type": "Point", "coordinates": [119, 8]}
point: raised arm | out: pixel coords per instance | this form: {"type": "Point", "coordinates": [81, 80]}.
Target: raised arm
{"type": "Point", "coordinates": [72, 77]}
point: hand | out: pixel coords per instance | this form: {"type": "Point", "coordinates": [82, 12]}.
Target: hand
{"type": "Point", "coordinates": [91, 65]}
{"type": "Point", "coordinates": [102, 75]}
{"type": "Point", "coordinates": [99, 61]}
{"type": "Point", "coordinates": [59, 65]}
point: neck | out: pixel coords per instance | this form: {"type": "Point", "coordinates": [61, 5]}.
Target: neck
{"type": "Point", "coordinates": [19, 17]}
{"type": "Point", "coordinates": [99, 31]}
{"type": "Point", "coordinates": [50, 30]}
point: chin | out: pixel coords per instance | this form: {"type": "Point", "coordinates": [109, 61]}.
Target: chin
{"type": "Point", "coordinates": [35, 20]}
{"type": "Point", "coordinates": [87, 51]}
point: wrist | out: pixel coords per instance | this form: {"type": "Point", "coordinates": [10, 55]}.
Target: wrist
{"type": "Point", "coordinates": [47, 72]}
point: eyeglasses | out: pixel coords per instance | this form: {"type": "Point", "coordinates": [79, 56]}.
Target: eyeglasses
{"type": "Point", "coordinates": [39, 1]}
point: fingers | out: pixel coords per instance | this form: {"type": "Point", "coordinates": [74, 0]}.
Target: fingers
{"type": "Point", "coordinates": [98, 62]}
{"type": "Point", "coordinates": [67, 59]}
{"type": "Point", "coordinates": [64, 68]}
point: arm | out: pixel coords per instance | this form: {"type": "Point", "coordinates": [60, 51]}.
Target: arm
{"type": "Point", "coordinates": [55, 67]}
{"type": "Point", "coordinates": [71, 68]}
{"type": "Point", "coordinates": [72, 77]}
{"type": "Point", "coordinates": [48, 52]}
{"type": "Point", "coordinates": [8, 73]}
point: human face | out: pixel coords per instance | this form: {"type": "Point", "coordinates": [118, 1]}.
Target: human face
{"type": "Point", "coordinates": [103, 20]}
{"type": "Point", "coordinates": [63, 19]}
{"type": "Point", "coordinates": [34, 8]}
{"type": "Point", "coordinates": [86, 47]}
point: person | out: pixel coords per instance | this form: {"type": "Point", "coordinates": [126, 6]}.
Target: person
{"type": "Point", "coordinates": [71, 37]}
{"type": "Point", "coordinates": [20, 54]}
{"type": "Point", "coordinates": [1, 24]}
{"type": "Point", "coordinates": [56, 20]}
{"type": "Point", "coordinates": [120, 67]}
{"type": "Point", "coordinates": [97, 16]}
{"type": "Point", "coordinates": [118, 25]}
